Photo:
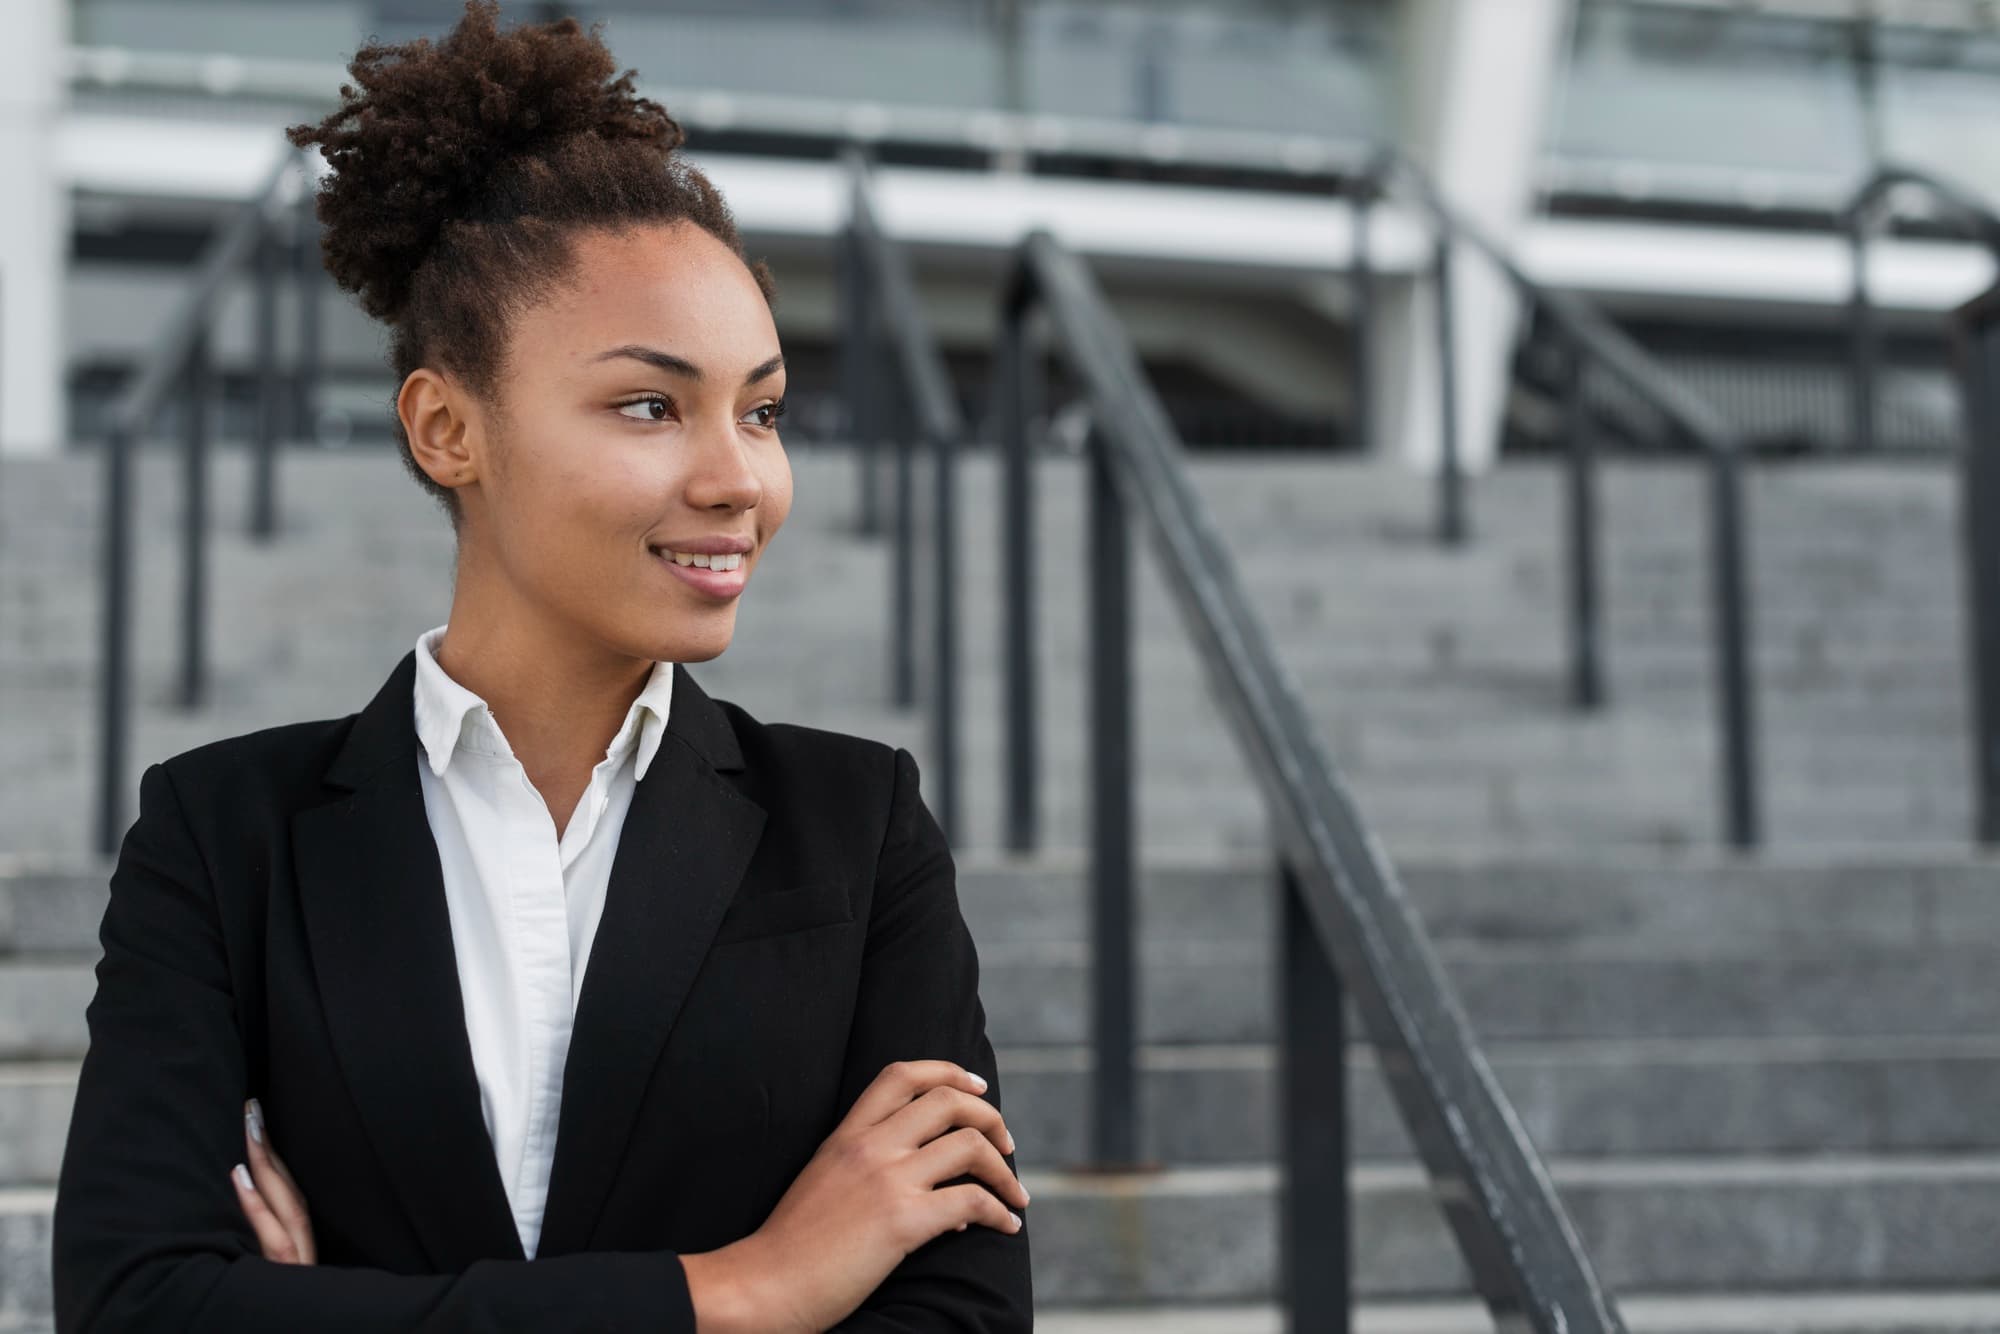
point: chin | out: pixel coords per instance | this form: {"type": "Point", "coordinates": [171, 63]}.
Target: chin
{"type": "Point", "coordinates": [701, 648]}
{"type": "Point", "coordinates": [700, 655]}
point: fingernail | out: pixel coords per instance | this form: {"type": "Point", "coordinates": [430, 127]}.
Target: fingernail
{"type": "Point", "coordinates": [255, 1118]}
{"type": "Point", "coordinates": [1017, 1219]}
{"type": "Point", "coordinates": [976, 1078]}
{"type": "Point", "coordinates": [1025, 1197]}
{"type": "Point", "coordinates": [242, 1175]}
{"type": "Point", "coordinates": [1010, 1140]}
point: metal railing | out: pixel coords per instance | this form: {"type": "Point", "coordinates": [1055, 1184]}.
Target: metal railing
{"type": "Point", "coordinates": [1976, 328]}
{"type": "Point", "coordinates": [181, 359]}
{"type": "Point", "coordinates": [1865, 211]}
{"type": "Point", "coordinates": [887, 345]}
{"type": "Point", "coordinates": [1345, 926]}
{"type": "Point", "coordinates": [1582, 337]}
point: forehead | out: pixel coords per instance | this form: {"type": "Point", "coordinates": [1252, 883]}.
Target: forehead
{"type": "Point", "coordinates": [669, 285]}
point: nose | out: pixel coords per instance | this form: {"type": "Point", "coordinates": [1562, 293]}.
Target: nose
{"type": "Point", "coordinates": [723, 475]}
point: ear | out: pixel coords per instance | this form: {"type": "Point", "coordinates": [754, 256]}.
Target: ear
{"type": "Point", "coordinates": [442, 423]}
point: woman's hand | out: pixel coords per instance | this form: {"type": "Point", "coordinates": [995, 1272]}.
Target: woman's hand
{"type": "Point", "coordinates": [868, 1198]}
{"type": "Point", "coordinates": [270, 1198]}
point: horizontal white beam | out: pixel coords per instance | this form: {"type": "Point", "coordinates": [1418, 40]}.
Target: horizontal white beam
{"type": "Point", "coordinates": [1254, 233]}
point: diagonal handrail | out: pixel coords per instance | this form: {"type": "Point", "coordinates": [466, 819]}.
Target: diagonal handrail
{"type": "Point", "coordinates": [1520, 1246]}
{"type": "Point", "coordinates": [1588, 336]}
{"type": "Point", "coordinates": [879, 286]}
{"type": "Point", "coordinates": [1393, 170]}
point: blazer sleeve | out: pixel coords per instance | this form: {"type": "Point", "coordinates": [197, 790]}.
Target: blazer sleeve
{"type": "Point", "coordinates": [147, 1233]}
{"type": "Point", "coordinates": [919, 1000]}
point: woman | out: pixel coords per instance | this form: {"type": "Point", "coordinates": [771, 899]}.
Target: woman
{"type": "Point", "coordinates": [574, 999]}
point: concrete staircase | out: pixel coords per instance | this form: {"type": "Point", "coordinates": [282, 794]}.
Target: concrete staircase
{"type": "Point", "coordinates": [1765, 1085]}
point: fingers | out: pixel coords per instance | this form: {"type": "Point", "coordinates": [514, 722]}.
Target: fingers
{"type": "Point", "coordinates": [272, 1238]}
{"type": "Point", "coordinates": [262, 1151]}
{"type": "Point", "coordinates": [944, 1107]}
{"type": "Point", "coordinates": [900, 1081]}
{"type": "Point", "coordinates": [969, 1150]}
{"type": "Point", "coordinates": [275, 1189]}
{"type": "Point", "coordinates": [952, 1208]}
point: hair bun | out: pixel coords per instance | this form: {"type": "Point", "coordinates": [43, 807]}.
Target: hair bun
{"type": "Point", "coordinates": [436, 129]}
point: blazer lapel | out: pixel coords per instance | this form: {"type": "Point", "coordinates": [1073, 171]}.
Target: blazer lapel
{"type": "Point", "coordinates": [685, 844]}
{"type": "Point", "coordinates": [372, 889]}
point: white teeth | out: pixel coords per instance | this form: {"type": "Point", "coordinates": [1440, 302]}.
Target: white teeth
{"type": "Point", "coordinates": [699, 561]}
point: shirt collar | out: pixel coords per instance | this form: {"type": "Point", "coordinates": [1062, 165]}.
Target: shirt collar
{"type": "Point", "coordinates": [449, 716]}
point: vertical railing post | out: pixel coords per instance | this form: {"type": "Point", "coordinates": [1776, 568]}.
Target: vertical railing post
{"type": "Point", "coordinates": [1977, 334]}
{"type": "Point", "coordinates": [944, 629]}
{"type": "Point", "coordinates": [264, 437]}
{"type": "Point", "coordinates": [1113, 928]}
{"type": "Point", "coordinates": [857, 368]}
{"type": "Point", "coordinates": [903, 416]}
{"type": "Point", "coordinates": [194, 521]}
{"type": "Point", "coordinates": [1361, 293]}
{"type": "Point", "coordinates": [1451, 473]}
{"type": "Point", "coordinates": [1315, 1225]}
{"type": "Point", "coordinates": [115, 648]}
{"type": "Point", "coordinates": [1016, 374]}
{"type": "Point", "coordinates": [1586, 639]}
{"type": "Point", "coordinates": [1742, 823]}
{"type": "Point", "coordinates": [308, 276]}
{"type": "Point", "coordinates": [861, 329]}
{"type": "Point", "coordinates": [879, 386]}
{"type": "Point", "coordinates": [1864, 344]}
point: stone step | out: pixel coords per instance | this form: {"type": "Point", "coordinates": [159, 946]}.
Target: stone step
{"type": "Point", "coordinates": [1578, 1099]}
{"type": "Point", "coordinates": [1812, 654]}
{"type": "Point", "coordinates": [1798, 906]}
{"type": "Point", "coordinates": [1822, 500]}
{"type": "Point", "coordinates": [1685, 1225]}
{"type": "Point", "coordinates": [1801, 907]}
{"type": "Point", "coordinates": [1035, 992]}
{"type": "Point", "coordinates": [1902, 1312]}
{"type": "Point", "coordinates": [1872, 550]}
{"type": "Point", "coordinates": [1841, 1224]}
{"type": "Point", "coordinates": [1412, 713]}
{"type": "Point", "coordinates": [1428, 821]}
{"type": "Point", "coordinates": [1195, 992]}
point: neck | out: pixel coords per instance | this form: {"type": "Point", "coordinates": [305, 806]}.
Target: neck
{"type": "Point", "coordinates": [559, 694]}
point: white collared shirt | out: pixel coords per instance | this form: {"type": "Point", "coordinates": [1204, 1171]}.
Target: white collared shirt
{"type": "Point", "coordinates": [524, 905]}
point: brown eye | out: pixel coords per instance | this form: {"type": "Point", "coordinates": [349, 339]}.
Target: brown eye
{"type": "Point", "coordinates": [649, 402]}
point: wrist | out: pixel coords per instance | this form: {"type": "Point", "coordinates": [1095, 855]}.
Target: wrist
{"type": "Point", "coordinates": [728, 1291]}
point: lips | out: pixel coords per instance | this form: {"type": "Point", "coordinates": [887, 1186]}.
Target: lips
{"type": "Point", "coordinates": [721, 584]}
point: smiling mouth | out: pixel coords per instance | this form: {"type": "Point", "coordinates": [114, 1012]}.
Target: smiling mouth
{"type": "Point", "coordinates": [723, 583]}
{"type": "Point", "coordinates": [695, 560]}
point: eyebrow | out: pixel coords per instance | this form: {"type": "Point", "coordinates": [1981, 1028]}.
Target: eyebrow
{"type": "Point", "coordinates": [667, 361]}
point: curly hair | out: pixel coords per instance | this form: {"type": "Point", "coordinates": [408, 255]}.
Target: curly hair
{"type": "Point", "coordinates": [462, 168]}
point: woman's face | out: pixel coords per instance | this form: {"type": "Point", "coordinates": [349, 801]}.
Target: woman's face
{"type": "Point", "coordinates": [634, 419]}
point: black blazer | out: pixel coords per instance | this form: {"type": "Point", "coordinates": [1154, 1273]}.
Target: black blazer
{"type": "Point", "coordinates": [781, 922]}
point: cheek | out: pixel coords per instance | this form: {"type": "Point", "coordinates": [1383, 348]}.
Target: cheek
{"type": "Point", "coordinates": [581, 513]}
{"type": "Point", "coordinates": [777, 500]}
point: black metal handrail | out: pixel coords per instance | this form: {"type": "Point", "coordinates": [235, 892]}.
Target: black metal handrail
{"type": "Point", "coordinates": [1978, 339]}
{"type": "Point", "coordinates": [180, 358]}
{"type": "Point", "coordinates": [880, 304]}
{"type": "Point", "coordinates": [1346, 923]}
{"type": "Point", "coordinates": [1860, 216]}
{"type": "Point", "coordinates": [1584, 336]}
